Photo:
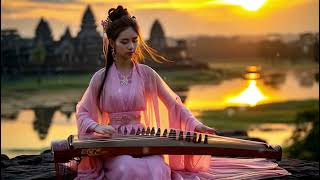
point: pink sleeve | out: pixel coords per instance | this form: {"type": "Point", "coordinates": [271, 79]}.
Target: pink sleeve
{"type": "Point", "coordinates": [179, 116]}
{"type": "Point", "coordinates": [87, 111]}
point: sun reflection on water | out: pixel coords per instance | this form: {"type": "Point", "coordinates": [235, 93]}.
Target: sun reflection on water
{"type": "Point", "coordinates": [250, 96]}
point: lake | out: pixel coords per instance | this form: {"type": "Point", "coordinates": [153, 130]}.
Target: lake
{"type": "Point", "coordinates": [32, 130]}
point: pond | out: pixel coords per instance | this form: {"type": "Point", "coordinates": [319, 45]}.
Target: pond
{"type": "Point", "coordinates": [275, 133]}
{"type": "Point", "coordinates": [238, 92]}
{"type": "Point", "coordinates": [33, 129]}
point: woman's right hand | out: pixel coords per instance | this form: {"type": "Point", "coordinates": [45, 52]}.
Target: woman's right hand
{"type": "Point", "coordinates": [104, 129]}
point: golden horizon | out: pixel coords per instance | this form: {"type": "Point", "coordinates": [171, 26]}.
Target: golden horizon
{"type": "Point", "coordinates": [206, 17]}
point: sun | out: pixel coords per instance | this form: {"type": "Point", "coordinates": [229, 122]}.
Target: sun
{"type": "Point", "coordinates": [250, 5]}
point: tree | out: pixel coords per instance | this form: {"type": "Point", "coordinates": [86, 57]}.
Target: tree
{"type": "Point", "coordinates": [38, 56]}
{"type": "Point", "coordinates": [272, 50]}
{"type": "Point", "coordinates": [305, 142]}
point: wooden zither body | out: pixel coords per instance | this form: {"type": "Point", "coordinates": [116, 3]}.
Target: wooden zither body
{"type": "Point", "coordinates": [149, 142]}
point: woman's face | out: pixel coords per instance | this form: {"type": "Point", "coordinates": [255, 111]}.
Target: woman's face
{"type": "Point", "coordinates": [126, 44]}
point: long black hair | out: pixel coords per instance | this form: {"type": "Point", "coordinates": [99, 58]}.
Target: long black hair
{"type": "Point", "coordinates": [120, 21]}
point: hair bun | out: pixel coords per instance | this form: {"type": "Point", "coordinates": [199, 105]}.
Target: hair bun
{"type": "Point", "coordinates": [115, 14]}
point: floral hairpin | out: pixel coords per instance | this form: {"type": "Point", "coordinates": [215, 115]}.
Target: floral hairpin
{"type": "Point", "coordinates": [105, 24]}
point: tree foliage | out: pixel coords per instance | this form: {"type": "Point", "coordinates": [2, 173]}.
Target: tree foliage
{"type": "Point", "coordinates": [38, 55]}
{"type": "Point", "coordinates": [306, 145]}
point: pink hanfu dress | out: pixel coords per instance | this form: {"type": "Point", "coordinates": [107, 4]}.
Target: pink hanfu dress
{"type": "Point", "coordinates": [147, 101]}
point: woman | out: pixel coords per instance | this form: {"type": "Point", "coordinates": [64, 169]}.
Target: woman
{"type": "Point", "coordinates": [126, 94]}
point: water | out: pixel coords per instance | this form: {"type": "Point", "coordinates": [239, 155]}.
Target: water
{"type": "Point", "coordinates": [278, 133]}
{"type": "Point", "coordinates": [32, 130]}
{"type": "Point", "coordinates": [283, 87]}
{"type": "Point", "coordinates": [21, 135]}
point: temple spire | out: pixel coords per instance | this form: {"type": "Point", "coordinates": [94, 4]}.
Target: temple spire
{"type": "Point", "coordinates": [66, 35]}
{"type": "Point", "coordinates": [43, 32]}
{"type": "Point", "coordinates": [157, 36]}
{"type": "Point", "coordinates": [88, 20]}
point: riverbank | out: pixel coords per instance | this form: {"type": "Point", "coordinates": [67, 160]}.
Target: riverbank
{"type": "Point", "coordinates": [220, 69]}
{"type": "Point", "coordinates": [244, 117]}
{"type": "Point", "coordinates": [25, 92]}
{"type": "Point", "coordinates": [175, 79]}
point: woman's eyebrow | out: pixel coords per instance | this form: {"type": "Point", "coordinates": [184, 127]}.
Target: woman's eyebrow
{"type": "Point", "coordinates": [128, 38]}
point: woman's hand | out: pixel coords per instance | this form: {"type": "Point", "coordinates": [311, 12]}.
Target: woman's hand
{"type": "Point", "coordinates": [205, 129]}
{"type": "Point", "coordinates": [104, 129]}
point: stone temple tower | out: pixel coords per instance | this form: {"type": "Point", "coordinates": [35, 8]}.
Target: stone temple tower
{"type": "Point", "coordinates": [89, 41]}
{"type": "Point", "coordinates": [66, 35]}
{"type": "Point", "coordinates": [157, 37]}
{"type": "Point", "coordinates": [43, 33]}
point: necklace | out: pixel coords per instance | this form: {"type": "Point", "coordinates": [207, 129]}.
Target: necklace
{"type": "Point", "coordinates": [125, 80]}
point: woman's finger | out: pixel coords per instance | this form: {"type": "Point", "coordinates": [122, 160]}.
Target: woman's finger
{"type": "Point", "coordinates": [111, 129]}
{"type": "Point", "coordinates": [211, 131]}
{"type": "Point", "coordinates": [108, 131]}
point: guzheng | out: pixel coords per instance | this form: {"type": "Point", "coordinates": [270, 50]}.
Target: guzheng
{"type": "Point", "coordinates": [149, 142]}
{"type": "Point", "coordinates": [143, 142]}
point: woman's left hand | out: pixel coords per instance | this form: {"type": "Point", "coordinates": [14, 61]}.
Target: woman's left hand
{"type": "Point", "coordinates": [205, 129]}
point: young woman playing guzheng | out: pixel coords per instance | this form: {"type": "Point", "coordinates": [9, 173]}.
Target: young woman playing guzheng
{"type": "Point", "coordinates": [126, 94]}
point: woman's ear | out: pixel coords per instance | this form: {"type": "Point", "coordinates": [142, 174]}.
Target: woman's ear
{"type": "Point", "coordinates": [112, 43]}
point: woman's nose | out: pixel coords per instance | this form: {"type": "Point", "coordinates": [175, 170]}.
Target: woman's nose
{"type": "Point", "coordinates": [131, 46]}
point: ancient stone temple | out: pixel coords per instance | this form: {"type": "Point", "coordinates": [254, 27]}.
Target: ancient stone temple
{"type": "Point", "coordinates": [43, 33]}
{"type": "Point", "coordinates": [157, 37]}
{"type": "Point", "coordinates": [66, 51]}
{"type": "Point", "coordinates": [175, 50]}
{"type": "Point", "coordinates": [89, 41]}
{"type": "Point", "coordinates": [43, 37]}
{"type": "Point", "coordinates": [14, 52]}
{"type": "Point", "coordinates": [83, 52]}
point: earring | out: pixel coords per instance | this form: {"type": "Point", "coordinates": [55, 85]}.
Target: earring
{"type": "Point", "coordinates": [113, 54]}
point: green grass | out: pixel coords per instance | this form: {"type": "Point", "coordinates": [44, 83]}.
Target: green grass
{"type": "Point", "coordinates": [59, 82]}
{"type": "Point", "coordinates": [284, 112]}
{"type": "Point", "coordinates": [182, 78]}
{"type": "Point", "coordinates": [176, 79]}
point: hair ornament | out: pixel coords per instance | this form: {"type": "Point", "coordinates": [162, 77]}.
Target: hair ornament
{"type": "Point", "coordinates": [106, 24]}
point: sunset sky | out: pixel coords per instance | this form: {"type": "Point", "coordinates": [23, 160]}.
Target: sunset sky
{"type": "Point", "coordinates": [180, 18]}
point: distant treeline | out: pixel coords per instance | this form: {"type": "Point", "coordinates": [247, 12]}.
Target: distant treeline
{"type": "Point", "coordinates": [307, 46]}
